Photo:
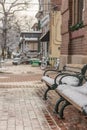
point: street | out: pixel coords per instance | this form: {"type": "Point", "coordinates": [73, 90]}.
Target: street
{"type": "Point", "coordinates": [22, 106]}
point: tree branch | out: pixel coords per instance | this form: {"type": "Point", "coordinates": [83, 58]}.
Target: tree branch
{"type": "Point", "coordinates": [15, 4]}
{"type": "Point", "coordinates": [3, 7]}
{"type": "Point", "coordinates": [13, 12]}
{"type": "Point", "coordinates": [4, 1]}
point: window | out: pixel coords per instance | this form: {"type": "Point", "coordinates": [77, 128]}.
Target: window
{"type": "Point", "coordinates": [77, 11]}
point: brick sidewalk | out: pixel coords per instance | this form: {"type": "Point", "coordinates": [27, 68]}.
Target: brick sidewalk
{"type": "Point", "coordinates": [22, 106]}
{"type": "Point", "coordinates": [22, 109]}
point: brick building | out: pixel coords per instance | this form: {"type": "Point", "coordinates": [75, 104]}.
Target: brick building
{"type": "Point", "coordinates": [55, 30]}
{"type": "Point", "coordinates": [29, 43]}
{"type": "Point", "coordinates": [49, 17]}
{"type": "Point", "coordinates": [56, 3]}
{"type": "Point", "coordinates": [74, 31]}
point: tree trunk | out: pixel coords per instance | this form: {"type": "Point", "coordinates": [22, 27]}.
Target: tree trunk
{"type": "Point", "coordinates": [3, 53]}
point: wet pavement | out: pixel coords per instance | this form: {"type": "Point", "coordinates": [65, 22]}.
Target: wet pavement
{"type": "Point", "coordinates": [22, 106]}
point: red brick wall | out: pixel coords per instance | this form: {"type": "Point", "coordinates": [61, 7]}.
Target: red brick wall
{"type": "Point", "coordinates": [64, 5]}
{"type": "Point", "coordinates": [85, 42]}
{"type": "Point", "coordinates": [64, 27]}
{"type": "Point", "coordinates": [65, 44]}
{"type": "Point", "coordinates": [65, 21]}
{"type": "Point", "coordinates": [56, 3]}
{"type": "Point", "coordinates": [76, 45]}
{"type": "Point", "coordinates": [85, 23]}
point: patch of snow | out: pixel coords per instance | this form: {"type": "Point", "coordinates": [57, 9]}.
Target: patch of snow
{"type": "Point", "coordinates": [70, 80]}
{"type": "Point", "coordinates": [77, 94]}
{"type": "Point", "coordinates": [48, 80]}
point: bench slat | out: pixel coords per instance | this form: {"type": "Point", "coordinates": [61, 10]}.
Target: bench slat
{"type": "Point", "coordinates": [70, 101]}
{"type": "Point", "coordinates": [77, 74]}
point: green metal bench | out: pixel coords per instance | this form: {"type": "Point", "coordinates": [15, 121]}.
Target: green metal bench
{"type": "Point", "coordinates": [71, 95]}
{"type": "Point", "coordinates": [70, 71]}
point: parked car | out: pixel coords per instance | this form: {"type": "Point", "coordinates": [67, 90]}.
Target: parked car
{"type": "Point", "coordinates": [20, 60]}
{"type": "Point", "coordinates": [16, 55]}
{"type": "Point", "coordinates": [25, 60]}
{"type": "Point", "coordinates": [16, 61]}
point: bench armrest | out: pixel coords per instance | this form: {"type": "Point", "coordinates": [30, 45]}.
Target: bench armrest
{"type": "Point", "coordinates": [65, 78]}
{"type": "Point", "coordinates": [53, 71]}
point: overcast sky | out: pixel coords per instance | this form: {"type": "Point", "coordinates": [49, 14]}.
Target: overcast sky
{"type": "Point", "coordinates": [33, 9]}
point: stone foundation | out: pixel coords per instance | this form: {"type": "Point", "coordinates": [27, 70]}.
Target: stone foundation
{"type": "Point", "coordinates": [72, 59]}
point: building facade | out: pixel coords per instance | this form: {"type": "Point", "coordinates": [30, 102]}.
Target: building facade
{"type": "Point", "coordinates": [74, 31]}
{"type": "Point", "coordinates": [50, 24]}
{"type": "Point", "coordinates": [44, 19]}
{"type": "Point", "coordinates": [55, 30]}
{"type": "Point", "coordinates": [29, 42]}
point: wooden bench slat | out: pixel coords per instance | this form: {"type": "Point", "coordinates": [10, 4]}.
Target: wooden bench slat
{"type": "Point", "coordinates": [70, 101]}
{"type": "Point", "coordinates": [77, 70]}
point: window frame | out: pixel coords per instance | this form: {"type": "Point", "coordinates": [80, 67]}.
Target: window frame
{"type": "Point", "coordinates": [77, 11]}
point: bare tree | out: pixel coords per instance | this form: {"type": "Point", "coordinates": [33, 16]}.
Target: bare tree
{"type": "Point", "coordinates": [16, 25]}
{"type": "Point", "coordinates": [7, 11]}
{"type": "Point", "coordinates": [25, 22]}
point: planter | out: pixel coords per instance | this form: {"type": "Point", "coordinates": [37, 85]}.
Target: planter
{"type": "Point", "coordinates": [77, 33]}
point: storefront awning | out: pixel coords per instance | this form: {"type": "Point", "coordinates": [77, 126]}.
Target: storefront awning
{"type": "Point", "coordinates": [45, 37]}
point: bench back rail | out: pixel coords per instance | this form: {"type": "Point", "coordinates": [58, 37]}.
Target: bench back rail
{"type": "Point", "coordinates": [52, 83]}
{"type": "Point", "coordinates": [76, 96]}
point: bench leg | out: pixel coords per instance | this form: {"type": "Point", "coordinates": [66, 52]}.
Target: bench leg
{"type": "Point", "coordinates": [45, 94]}
{"type": "Point", "coordinates": [61, 112]}
{"type": "Point", "coordinates": [57, 105]}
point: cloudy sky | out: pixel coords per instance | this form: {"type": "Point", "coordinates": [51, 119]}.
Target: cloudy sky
{"type": "Point", "coordinates": [33, 9]}
{"type": "Point", "coordinates": [30, 12]}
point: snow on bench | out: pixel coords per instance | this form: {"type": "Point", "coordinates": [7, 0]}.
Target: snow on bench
{"type": "Point", "coordinates": [74, 77]}
{"type": "Point", "coordinates": [76, 96]}
{"type": "Point", "coordinates": [71, 80]}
